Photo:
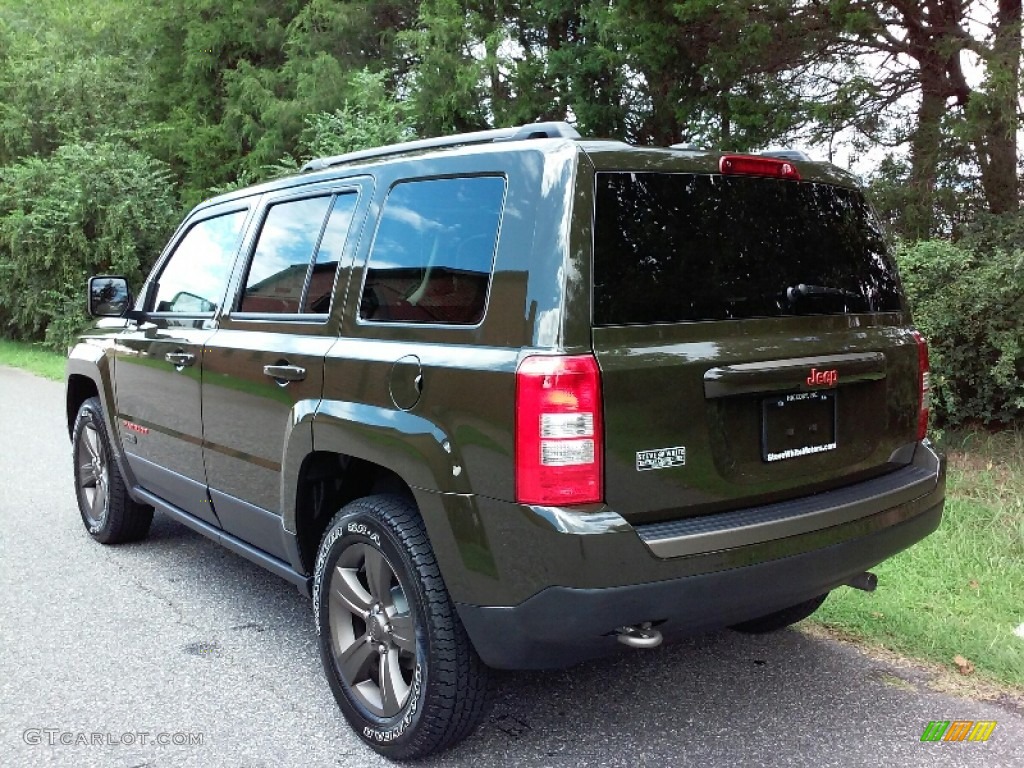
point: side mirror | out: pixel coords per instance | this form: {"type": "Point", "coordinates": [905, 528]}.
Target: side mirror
{"type": "Point", "coordinates": [109, 296]}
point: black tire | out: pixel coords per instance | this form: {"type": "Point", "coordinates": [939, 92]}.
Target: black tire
{"type": "Point", "coordinates": [108, 512]}
{"type": "Point", "coordinates": [780, 619]}
{"type": "Point", "coordinates": [437, 682]}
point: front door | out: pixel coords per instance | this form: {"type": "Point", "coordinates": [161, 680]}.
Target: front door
{"type": "Point", "coordinates": [158, 364]}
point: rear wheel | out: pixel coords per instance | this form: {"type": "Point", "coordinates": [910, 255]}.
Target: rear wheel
{"type": "Point", "coordinates": [398, 660]}
{"type": "Point", "coordinates": [108, 512]}
{"type": "Point", "coordinates": [780, 619]}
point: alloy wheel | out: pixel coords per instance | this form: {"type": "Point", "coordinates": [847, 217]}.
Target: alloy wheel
{"type": "Point", "coordinates": [93, 475]}
{"type": "Point", "coordinates": [373, 633]}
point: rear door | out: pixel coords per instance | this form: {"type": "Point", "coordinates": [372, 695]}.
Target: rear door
{"type": "Point", "coordinates": [264, 367]}
{"type": "Point", "coordinates": [751, 338]}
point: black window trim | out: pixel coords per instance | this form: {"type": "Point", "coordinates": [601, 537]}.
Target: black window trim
{"type": "Point", "coordinates": [362, 322]}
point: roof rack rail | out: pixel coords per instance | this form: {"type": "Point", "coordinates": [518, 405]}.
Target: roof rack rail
{"type": "Point", "coordinates": [786, 154]}
{"type": "Point", "coordinates": [548, 130]}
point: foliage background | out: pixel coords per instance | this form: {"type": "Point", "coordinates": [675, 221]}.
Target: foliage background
{"type": "Point", "coordinates": [116, 117]}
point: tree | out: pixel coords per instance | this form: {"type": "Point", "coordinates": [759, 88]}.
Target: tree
{"type": "Point", "coordinates": [922, 47]}
{"type": "Point", "coordinates": [370, 117]}
{"type": "Point", "coordinates": [718, 74]}
{"type": "Point", "coordinates": [446, 80]}
{"type": "Point", "coordinates": [62, 80]}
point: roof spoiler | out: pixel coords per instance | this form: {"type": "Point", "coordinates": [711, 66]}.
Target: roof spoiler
{"type": "Point", "coordinates": [786, 154]}
{"type": "Point", "coordinates": [781, 154]}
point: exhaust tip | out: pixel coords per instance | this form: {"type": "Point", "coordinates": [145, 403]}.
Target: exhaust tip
{"type": "Point", "coordinates": [642, 636]}
{"type": "Point", "coordinates": [866, 581]}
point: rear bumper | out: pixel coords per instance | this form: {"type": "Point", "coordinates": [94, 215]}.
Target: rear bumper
{"type": "Point", "coordinates": [565, 623]}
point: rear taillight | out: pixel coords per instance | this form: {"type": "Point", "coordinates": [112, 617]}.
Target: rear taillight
{"type": "Point", "coordinates": [748, 165]}
{"type": "Point", "coordinates": [559, 434]}
{"type": "Point", "coordinates": [924, 386]}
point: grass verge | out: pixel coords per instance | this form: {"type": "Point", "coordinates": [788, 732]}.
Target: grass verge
{"type": "Point", "coordinates": [958, 592]}
{"type": "Point", "coordinates": [33, 358]}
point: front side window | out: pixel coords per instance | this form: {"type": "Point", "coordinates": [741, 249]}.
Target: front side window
{"type": "Point", "coordinates": [433, 255]}
{"type": "Point", "coordinates": [194, 279]}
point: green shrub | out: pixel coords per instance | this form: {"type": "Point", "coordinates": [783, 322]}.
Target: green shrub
{"type": "Point", "coordinates": [90, 208]}
{"type": "Point", "coordinates": [969, 302]}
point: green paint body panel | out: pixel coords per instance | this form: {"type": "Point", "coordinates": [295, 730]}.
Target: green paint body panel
{"type": "Point", "coordinates": [434, 405]}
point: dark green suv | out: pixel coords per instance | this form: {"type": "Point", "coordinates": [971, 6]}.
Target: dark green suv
{"type": "Point", "coordinates": [516, 399]}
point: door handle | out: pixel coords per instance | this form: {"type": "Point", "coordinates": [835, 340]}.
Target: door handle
{"type": "Point", "coordinates": [282, 374]}
{"type": "Point", "coordinates": [180, 359]}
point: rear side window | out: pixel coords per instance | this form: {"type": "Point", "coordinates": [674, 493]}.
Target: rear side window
{"type": "Point", "coordinates": [328, 255]}
{"type": "Point", "coordinates": [672, 248]}
{"type": "Point", "coordinates": [433, 255]}
{"type": "Point", "coordinates": [280, 263]}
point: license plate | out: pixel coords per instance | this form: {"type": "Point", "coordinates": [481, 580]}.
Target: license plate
{"type": "Point", "coordinates": [798, 424]}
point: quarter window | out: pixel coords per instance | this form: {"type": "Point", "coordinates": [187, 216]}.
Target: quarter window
{"type": "Point", "coordinates": [433, 254]}
{"type": "Point", "coordinates": [194, 279]}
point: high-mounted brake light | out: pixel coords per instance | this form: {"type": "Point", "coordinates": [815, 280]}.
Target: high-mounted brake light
{"type": "Point", "coordinates": [924, 385]}
{"type": "Point", "coordinates": [559, 435]}
{"type": "Point", "coordinates": [748, 165]}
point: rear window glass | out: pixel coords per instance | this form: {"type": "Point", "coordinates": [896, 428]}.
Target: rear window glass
{"type": "Point", "coordinates": [433, 254]}
{"type": "Point", "coordinates": [672, 248]}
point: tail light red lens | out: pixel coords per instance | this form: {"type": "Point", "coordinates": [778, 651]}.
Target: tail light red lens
{"type": "Point", "coordinates": [559, 433]}
{"type": "Point", "coordinates": [924, 385]}
{"type": "Point", "coordinates": [748, 165]}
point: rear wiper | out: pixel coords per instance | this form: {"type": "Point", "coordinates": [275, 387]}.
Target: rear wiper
{"type": "Point", "coordinates": [803, 290]}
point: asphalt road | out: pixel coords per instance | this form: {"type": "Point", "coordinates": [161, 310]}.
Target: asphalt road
{"type": "Point", "coordinates": [179, 640]}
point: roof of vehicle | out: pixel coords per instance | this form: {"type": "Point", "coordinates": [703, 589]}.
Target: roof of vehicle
{"type": "Point", "coordinates": [605, 154]}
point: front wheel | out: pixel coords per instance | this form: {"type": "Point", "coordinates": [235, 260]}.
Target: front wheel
{"type": "Point", "coordinates": [398, 660]}
{"type": "Point", "coordinates": [108, 512]}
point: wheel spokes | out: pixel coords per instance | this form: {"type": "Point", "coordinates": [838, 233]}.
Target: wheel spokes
{"type": "Point", "coordinates": [348, 593]}
{"type": "Point", "coordinates": [94, 448]}
{"type": "Point", "coordinates": [87, 475]}
{"type": "Point", "coordinates": [92, 444]}
{"type": "Point", "coordinates": [373, 632]}
{"type": "Point", "coordinates": [92, 474]}
{"type": "Point", "coordinates": [393, 688]}
{"type": "Point", "coordinates": [99, 499]}
{"type": "Point", "coordinates": [378, 576]}
{"type": "Point", "coordinates": [355, 661]}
